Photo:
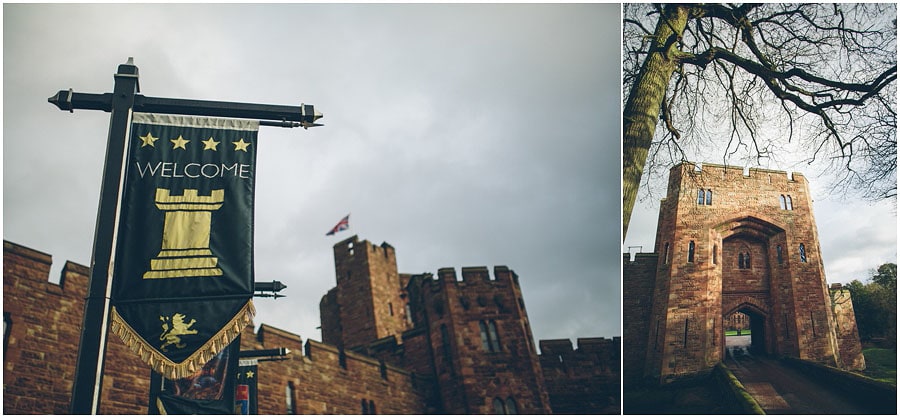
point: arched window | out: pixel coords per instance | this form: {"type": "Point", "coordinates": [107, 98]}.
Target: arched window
{"type": "Point", "coordinates": [782, 201]}
{"type": "Point", "coordinates": [701, 197]}
{"type": "Point", "coordinates": [489, 340]}
{"type": "Point", "coordinates": [747, 260]}
{"type": "Point", "coordinates": [802, 253]}
{"type": "Point", "coordinates": [372, 407]}
{"type": "Point", "coordinates": [291, 403]}
{"type": "Point", "coordinates": [365, 407]}
{"type": "Point", "coordinates": [778, 254]}
{"type": "Point", "coordinates": [708, 197]}
{"type": "Point", "coordinates": [691, 252]}
{"type": "Point", "coordinates": [498, 407]}
{"type": "Point", "coordinates": [740, 260]}
{"type": "Point", "coordinates": [790, 203]}
{"type": "Point", "coordinates": [511, 408]}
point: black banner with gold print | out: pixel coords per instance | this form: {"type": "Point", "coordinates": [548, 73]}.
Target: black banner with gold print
{"type": "Point", "coordinates": [183, 277]}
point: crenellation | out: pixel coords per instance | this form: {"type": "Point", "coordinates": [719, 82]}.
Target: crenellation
{"type": "Point", "coordinates": [446, 274]}
{"type": "Point", "coordinates": [555, 347]}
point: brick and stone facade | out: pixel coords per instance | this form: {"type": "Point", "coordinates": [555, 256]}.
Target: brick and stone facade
{"type": "Point", "coordinates": [729, 240]}
{"type": "Point", "coordinates": [422, 352]}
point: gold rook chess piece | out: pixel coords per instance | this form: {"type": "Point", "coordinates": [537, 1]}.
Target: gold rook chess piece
{"type": "Point", "coordinates": [185, 240]}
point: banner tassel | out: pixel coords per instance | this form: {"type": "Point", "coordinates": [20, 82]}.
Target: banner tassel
{"type": "Point", "coordinates": [161, 364]}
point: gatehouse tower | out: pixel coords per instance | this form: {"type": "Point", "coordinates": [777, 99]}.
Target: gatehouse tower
{"type": "Point", "coordinates": [729, 240]}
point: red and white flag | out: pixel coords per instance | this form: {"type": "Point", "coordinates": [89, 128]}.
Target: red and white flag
{"type": "Point", "coordinates": [341, 226]}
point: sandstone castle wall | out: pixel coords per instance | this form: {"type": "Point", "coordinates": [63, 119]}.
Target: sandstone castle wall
{"type": "Point", "coordinates": [425, 355]}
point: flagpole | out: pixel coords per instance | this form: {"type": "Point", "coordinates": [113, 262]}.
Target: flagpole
{"type": "Point", "coordinates": [92, 344]}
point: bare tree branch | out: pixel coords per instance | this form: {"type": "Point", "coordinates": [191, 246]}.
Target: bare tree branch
{"type": "Point", "coordinates": [816, 77]}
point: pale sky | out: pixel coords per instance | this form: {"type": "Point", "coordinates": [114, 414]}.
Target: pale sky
{"type": "Point", "coordinates": [462, 135]}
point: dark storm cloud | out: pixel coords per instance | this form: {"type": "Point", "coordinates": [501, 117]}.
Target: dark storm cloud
{"type": "Point", "coordinates": [463, 135]}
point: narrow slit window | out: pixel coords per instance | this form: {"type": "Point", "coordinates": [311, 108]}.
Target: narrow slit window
{"type": "Point", "coordinates": [511, 408]}
{"type": "Point", "coordinates": [802, 253]}
{"type": "Point", "coordinates": [482, 327]}
{"type": "Point", "coordinates": [498, 407]}
{"type": "Point", "coordinates": [492, 336]}
{"type": "Point", "coordinates": [778, 254]}
{"type": "Point", "coordinates": [291, 404]}
{"type": "Point", "coordinates": [714, 254]}
{"type": "Point", "coordinates": [666, 254]}
{"type": "Point", "coordinates": [691, 252]}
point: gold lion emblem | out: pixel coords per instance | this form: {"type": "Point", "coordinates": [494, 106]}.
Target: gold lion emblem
{"type": "Point", "coordinates": [173, 330]}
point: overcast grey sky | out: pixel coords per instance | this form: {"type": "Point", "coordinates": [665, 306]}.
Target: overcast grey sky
{"type": "Point", "coordinates": [463, 135]}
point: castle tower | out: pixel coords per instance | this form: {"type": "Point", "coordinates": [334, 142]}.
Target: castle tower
{"type": "Point", "coordinates": [728, 241]}
{"type": "Point", "coordinates": [368, 302]}
{"type": "Point", "coordinates": [484, 357]}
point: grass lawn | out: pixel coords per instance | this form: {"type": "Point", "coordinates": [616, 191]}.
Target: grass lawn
{"type": "Point", "coordinates": [734, 333]}
{"type": "Point", "coordinates": [881, 364]}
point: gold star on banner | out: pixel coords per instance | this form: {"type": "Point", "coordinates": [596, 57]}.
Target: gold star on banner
{"type": "Point", "coordinates": [148, 140]}
{"type": "Point", "coordinates": [210, 144]}
{"type": "Point", "coordinates": [179, 142]}
{"type": "Point", "coordinates": [249, 374]}
{"type": "Point", "coordinates": [240, 145]}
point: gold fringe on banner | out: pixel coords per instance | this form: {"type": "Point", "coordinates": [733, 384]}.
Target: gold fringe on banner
{"type": "Point", "coordinates": [169, 369]}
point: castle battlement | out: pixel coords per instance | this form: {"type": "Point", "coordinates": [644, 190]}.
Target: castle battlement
{"type": "Point", "coordinates": [640, 258]}
{"type": "Point", "coordinates": [475, 275]}
{"type": "Point", "coordinates": [596, 362]}
{"type": "Point", "coordinates": [33, 267]}
{"type": "Point", "coordinates": [563, 346]}
{"type": "Point", "coordinates": [732, 172]}
{"type": "Point", "coordinates": [350, 246]}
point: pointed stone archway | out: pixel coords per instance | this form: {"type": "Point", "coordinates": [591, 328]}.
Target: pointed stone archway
{"type": "Point", "coordinates": [760, 323]}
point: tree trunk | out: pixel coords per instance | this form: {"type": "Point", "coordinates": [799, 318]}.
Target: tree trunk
{"type": "Point", "coordinates": [641, 112]}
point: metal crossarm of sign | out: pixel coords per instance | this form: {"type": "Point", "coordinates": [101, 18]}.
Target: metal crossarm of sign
{"type": "Point", "coordinates": [189, 208]}
{"type": "Point", "coordinates": [269, 115]}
